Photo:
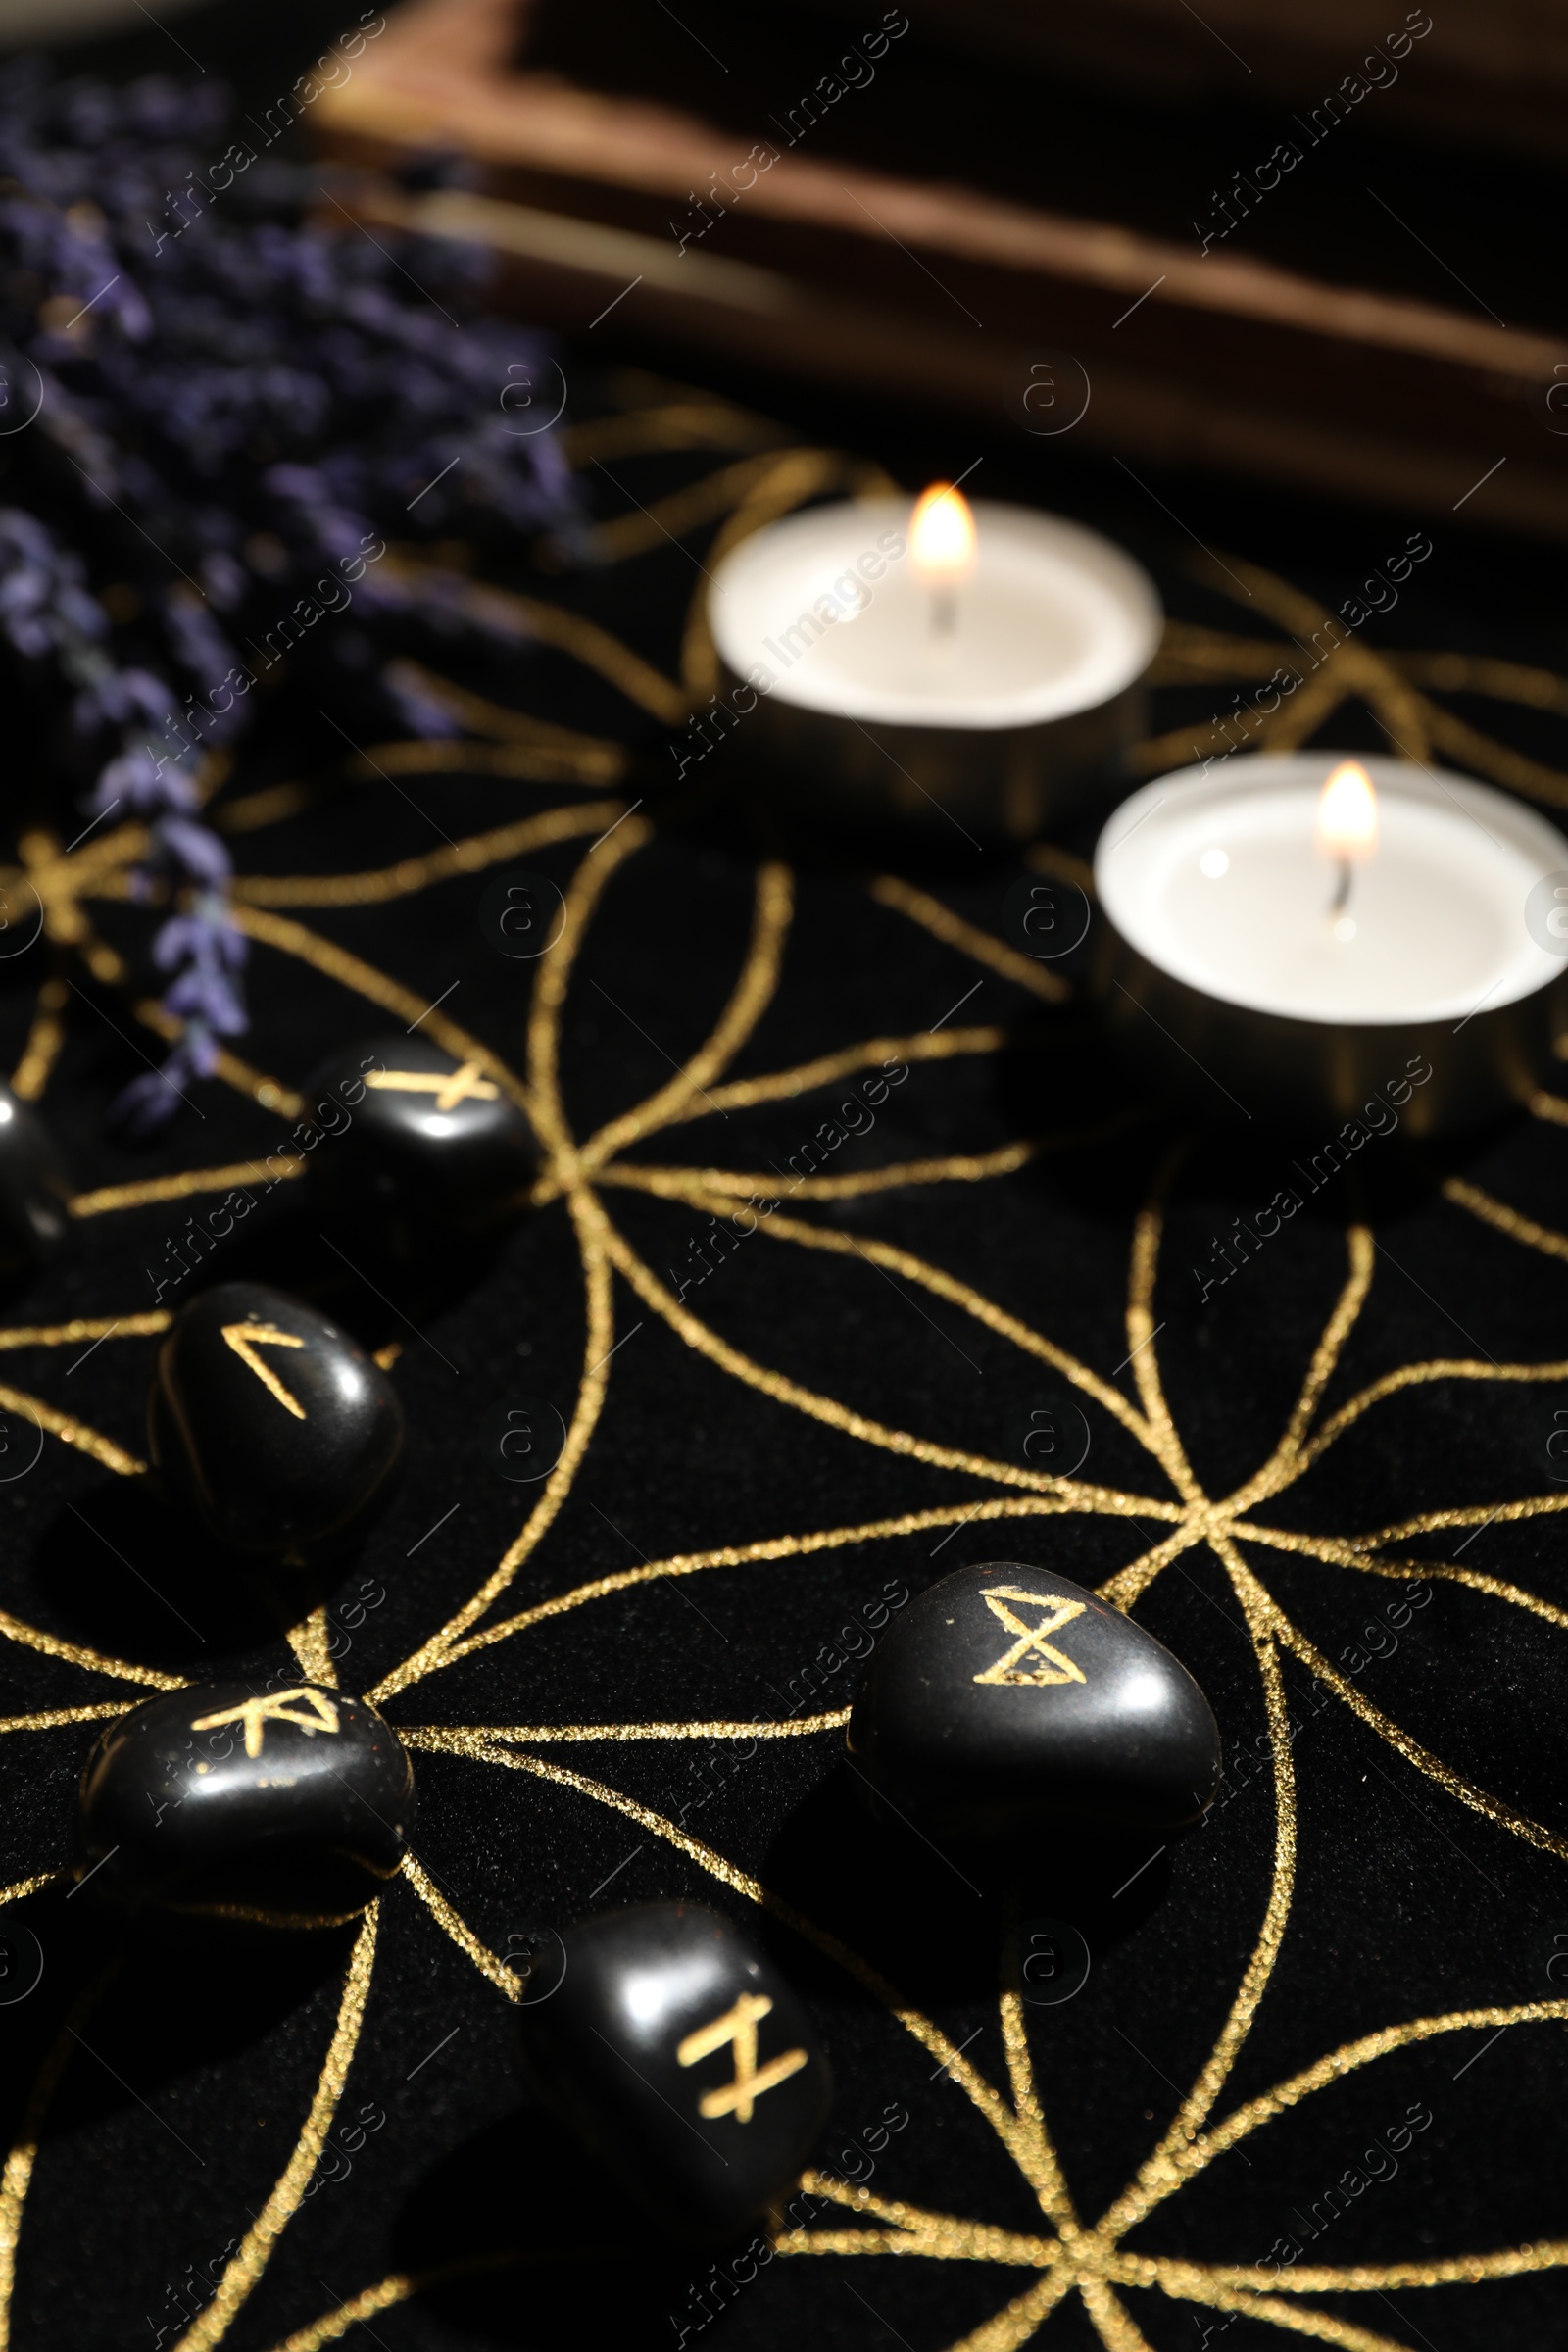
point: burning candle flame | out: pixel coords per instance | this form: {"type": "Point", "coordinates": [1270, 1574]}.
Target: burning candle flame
{"type": "Point", "coordinates": [1348, 814]}
{"type": "Point", "coordinates": [942, 540]}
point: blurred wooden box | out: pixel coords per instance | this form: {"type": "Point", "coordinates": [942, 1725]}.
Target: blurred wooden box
{"type": "Point", "coordinates": [1495, 77]}
{"type": "Point", "coordinates": [889, 278]}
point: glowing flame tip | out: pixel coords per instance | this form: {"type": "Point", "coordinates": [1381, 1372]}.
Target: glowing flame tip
{"type": "Point", "coordinates": [942, 536]}
{"type": "Point", "coordinates": [1348, 814]}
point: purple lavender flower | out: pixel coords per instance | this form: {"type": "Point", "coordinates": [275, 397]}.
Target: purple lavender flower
{"type": "Point", "coordinates": [240, 411]}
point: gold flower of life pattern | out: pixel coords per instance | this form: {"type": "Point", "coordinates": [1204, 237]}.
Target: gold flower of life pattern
{"type": "Point", "coordinates": [1071, 2254]}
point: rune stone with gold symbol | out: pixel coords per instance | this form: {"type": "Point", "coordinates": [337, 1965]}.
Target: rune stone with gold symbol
{"type": "Point", "coordinates": [417, 1141]}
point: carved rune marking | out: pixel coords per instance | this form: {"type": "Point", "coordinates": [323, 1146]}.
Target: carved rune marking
{"type": "Point", "coordinates": [245, 1339]}
{"type": "Point", "coordinates": [448, 1092]}
{"type": "Point", "coordinates": [739, 2026]}
{"type": "Point", "coordinates": [1057, 1667]}
{"type": "Point", "coordinates": [252, 1713]}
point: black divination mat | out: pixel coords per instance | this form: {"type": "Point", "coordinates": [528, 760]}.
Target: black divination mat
{"type": "Point", "coordinates": [1315, 2080]}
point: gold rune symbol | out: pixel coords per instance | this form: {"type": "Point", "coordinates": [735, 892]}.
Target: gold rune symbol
{"type": "Point", "coordinates": [275, 1708]}
{"type": "Point", "coordinates": [1059, 1667]}
{"type": "Point", "coordinates": [448, 1091]}
{"type": "Point", "coordinates": [739, 2026]}
{"type": "Point", "coordinates": [245, 1339]}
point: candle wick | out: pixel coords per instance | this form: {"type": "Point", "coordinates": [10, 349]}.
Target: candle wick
{"type": "Point", "coordinates": [1342, 889]}
{"type": "Point", "coordinates": [944, 612]}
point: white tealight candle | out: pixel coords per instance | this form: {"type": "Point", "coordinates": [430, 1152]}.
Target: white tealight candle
{"type": "Point", "coordinates": [1293, 925]}
{"type": "Point", "coordinates": [982, 664]}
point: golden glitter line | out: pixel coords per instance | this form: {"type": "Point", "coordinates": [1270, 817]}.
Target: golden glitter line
{"type": "Point", "coordinates": [70, 1431]}
{"type": "Point", "coordinates": [948, 2245]}
{"type": "Point", "coordinates": [969, 940]}
{"type": "Point", "coordinates": [352, 973]}
{"type": "Point", "coordinates": [805, 1077]}
{"type": "Point", "coordinates": [1413, 1375]}
{"type": "Point", "coordinates": [301, 1922]}
{"type": "Point", "coordinates": [795, 1727]}
{"type": "Point", "coordinates": [45, 1036]}
{"type": "Point", "coordinates": [681, 510]}
{"type": "Point", "coordinates": [1190, 655]}
{"type": "Point", "coordinates": [111, 1198]}
{"type": "Point", "coordinates": [601, 760]}
{"type": "Point", "coordinates": [833, 1415]}
{"type": "Point", "coordinates": [253, 810]}
{"type": "Point", "coordinates": [988, 2100]}
{"type": "Point", "coordinates": [1335, 2065]}
{"type": "Point", "coordinates": [19, 1889]}
{"type": "Point", "coordinates": [270, 1093]}
{"type": "Point", "coordinates": [1045, 857]}
{"type": "Point", "coordinates": [1550, 1108]}
{"type": "Point", "coordinates": [527, 617]}
{"type": "Point", "coordinates": [1454, 1784]}
{"type": "Point", "coordinates": [1158, 2175]}
{"type": "Point", "coordinates": [440, 1648]}
{"type": "Point", "coordinates": [553, 980]}
{"type": "Point", "coordinates": [399, 2286]}
{"type": "Point", "coordinates": [1504, 1219]}
{"type": "Point", "coordinates": [385, 2295]}
{"type": "Point", "coordinates": [525, 762]}
{"type": "Point", "coordinates": [550, 1120]}
{"type": "Point", "coordinates": [772, 1548]}
{"type": "Point", "coordinates": [1473, 1514]}
{"type": "Point", "coordinates": [76, 1653]}
{"type": "Point", "coordinates": [1299, 2321]}
{"type": "Point", "coordinates": [682, 1184]}
{"type": "Point", "coordinates": [1141, 1273]}
{"type": "Point", "coordinates": [914, 2229]}
{"type": "Point", "coordinates": [1325, 1358]}
{"type": "Point", "coordinates": [1339, 1554]}
{"type": "Point", "coordinates": [1117, 2329]}
{"type": "Point", "coordinates": [749, 1000]}
{"type": "Point", "coordinates": [17, 2177]}
{"type": "Point", "coordinates": [1480, 673]}
{"type": "Point", "coordinates": [1496, 759]}
{"type": "Point", "coordinates": [693, 423]}
{"type": "Point", "coordinates": [954, 1167]}
{"type": "Point", "coordinates": [52, 1719]}
{"type": "Point", "coordinates": [793, 475]}
{"type": "Point", "coordinates": [958, 1294]}
{"type": "Point", "coordinates": [453, 1924]}
{"type": "Point", "coordinates": [1037, 2157]}
{"type": "Point", "coordinates": [1129, 1584]}
{"type": "Point", "coordinates": [1354, 2279]}
{"type": "Point", "coordinates": [410, 874]}
{"type": "Point", "coordinates": [109, 967]}
{"type": "Point", "coordinates": [1180, 747]}
{"type": "Point", "coordinates": [1407, 718]}
{"type": "Point", "coordinates": [243, 2272]}
{"type": "Point", "coordinates": [59, 878]}
{"type": "Point", "coordinates": [1019, 2320]}
{"type": "Point", "coordinates": [83, 1327]}
{"type": "Point", "coordinates": [1309, 707]}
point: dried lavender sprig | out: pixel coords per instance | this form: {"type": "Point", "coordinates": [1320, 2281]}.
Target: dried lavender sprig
{"type": "Point", "coordinates": [50, 616]}
{"type": "Point", "coordinates": [253, 396]}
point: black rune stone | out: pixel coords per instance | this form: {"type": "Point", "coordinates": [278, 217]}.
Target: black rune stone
{"type": "Point", "coordinates": [290, 1804]}
{"type": "Point", "coordinates": [411, 1137]}
{"type": "Point", "coordinates": [1007, 1698]}
{"type": "Point", "coordinates": [34, 1187]}
{"type": "Point", "coordinates": [270, 1423]}
{"type": "Point", "coordinates": [683, 2061]}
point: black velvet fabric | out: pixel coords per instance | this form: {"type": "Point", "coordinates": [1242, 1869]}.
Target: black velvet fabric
{"type": "Point", "coordinates": [195, 2061]}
